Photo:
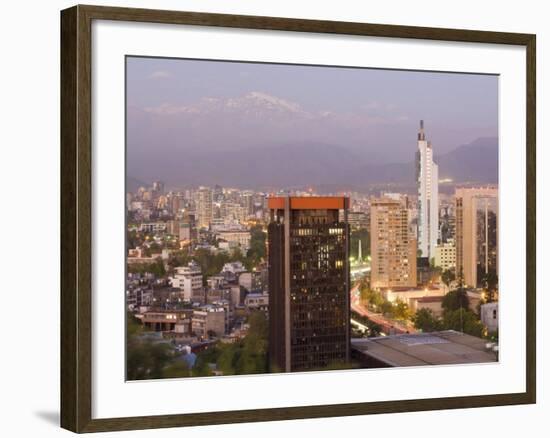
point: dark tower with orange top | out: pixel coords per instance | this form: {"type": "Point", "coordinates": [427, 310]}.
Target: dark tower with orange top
{"type": "Point", "coordinates": [309, 320]}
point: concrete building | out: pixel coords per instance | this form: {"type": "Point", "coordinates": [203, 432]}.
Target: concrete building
{"type": "Point", "coordinates": [138, 297]}
{"type": "Point", "coordinates": [445, 256]}
{"type": "Point", "coordinates": [188, 279]}
{"type": "Point", "coordinates": [237, 295]}
{"type": "Point", "coordinates": [429, 303]}
{"type": "Point", "coordinates": [427, 176]}
{"type": "Point", "coordinates": [208, 321]}
{"type": "Point", "coordinates": [204, 207]}
{"type": "Point", "coordinates": [358, 219]}
{"type": "Point", "coordinates": [476, 233]}
{"type": "Point", "coordinates": [235, 268]}
{"type": "Point", "coordinates": [393, 248]}
{"type": "Point", "coordinates": [152, 227]}
{"type": "Point", "coordinates": [240, 237]}
{"type": "Point", "coordinates": [187, 227]}
{"type": "Point", "coordinates": [489, 316]}
{"type": "Point", "coordinates": [257, 301]}
{"type": "Point", "coordinates": [309, 320]}
{"type": "Point", "coordinates": [168, 320]}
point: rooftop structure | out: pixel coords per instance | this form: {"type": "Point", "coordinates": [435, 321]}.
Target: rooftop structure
{"type": "Point", "coordinates": [438, 348]}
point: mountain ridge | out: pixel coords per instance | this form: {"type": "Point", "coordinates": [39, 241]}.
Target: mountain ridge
{"type": "Point", "coordinates": [315, 163]}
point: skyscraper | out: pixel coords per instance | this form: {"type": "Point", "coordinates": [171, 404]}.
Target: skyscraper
{"type": "Point", "coordinates": [308, 283]}
{"type": "Point", "coordinates": [428, 196]}
{"type": "Point", "coordinates": [393, 247]}
{"type": "Point", "coordinates": [204, 207]}
{"type": "Point", "coordinates": [476, 233]}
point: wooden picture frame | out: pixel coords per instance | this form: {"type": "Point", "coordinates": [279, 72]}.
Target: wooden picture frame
{"type": "Point", "coordinates": [76, 217]}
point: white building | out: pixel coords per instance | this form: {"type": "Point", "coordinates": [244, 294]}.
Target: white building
{"type": "Point", "coordinates": [234, 267]}
{"type": "Point", "coordinates": [428, 196]}
{"type": "Point", "coordinates": [241, 238]}
{"type": "Point", "coordinates": [188, 279]}
{"type": "Point", "coordinates": [152, 227]}
{"type": "Point", "coordinates": [489, 316]}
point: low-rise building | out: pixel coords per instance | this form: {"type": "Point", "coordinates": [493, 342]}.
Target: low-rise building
{"type": "Point", "coordinates": [234, 268]}
{"type": "Point", "coordinates": [489, 316]}
{"type": "Point", "coordinates": [168, 320]}
{"type": "Point", "coordinates": [433, 303]}
{"type": "Point", "coordinates": [208, 322]}
{"type": "Point", "coordinates": [257, 301]}
{"type": "Point", "coordinates": [152, 227]}
{"type": "Point", "coordinates": [240, 237]}
{"type": "Point", "coordinates": [437, 348]}
{"type": "Point", "coordinates": [138, 297]}
{"type": "Point", "coordinates": [189, 280]}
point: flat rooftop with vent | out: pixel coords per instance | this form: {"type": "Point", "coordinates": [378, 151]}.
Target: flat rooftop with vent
{"type": "Point", "coordinates": [437, 348]}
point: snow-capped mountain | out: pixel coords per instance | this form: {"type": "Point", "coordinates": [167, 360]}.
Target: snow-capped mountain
{"type": "Point", "coordinates": [254, 103]}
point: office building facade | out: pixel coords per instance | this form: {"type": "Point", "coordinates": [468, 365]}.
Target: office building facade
{"type": "Point", "coordinates": [476, 234]}
{"type": "Point", "coordinates": [393, 246]}
{"type": "Point", "coordinates": [308, 250]}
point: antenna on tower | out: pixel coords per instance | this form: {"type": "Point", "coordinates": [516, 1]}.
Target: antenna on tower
{"type": "Point", "coordinates": [421, 135]}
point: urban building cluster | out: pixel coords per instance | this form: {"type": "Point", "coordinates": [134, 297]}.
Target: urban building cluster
{"type": "Point", "coordinates": [319, 268]}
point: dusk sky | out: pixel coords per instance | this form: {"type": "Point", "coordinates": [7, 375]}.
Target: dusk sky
{"type": "Point", "coordinates": [178, 108]}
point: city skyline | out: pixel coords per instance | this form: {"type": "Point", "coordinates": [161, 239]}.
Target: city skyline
{"type": "Point", "coordinates": [300, 255]}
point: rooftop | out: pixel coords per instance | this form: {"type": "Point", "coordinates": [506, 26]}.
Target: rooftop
{"type": "Point", "coordinates": [437, 348]}
{"type": "Point", "coordinates": [309, 202]}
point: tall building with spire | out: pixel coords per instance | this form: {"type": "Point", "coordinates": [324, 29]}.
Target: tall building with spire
{"type": "Point", "coordinates": [428, 196]}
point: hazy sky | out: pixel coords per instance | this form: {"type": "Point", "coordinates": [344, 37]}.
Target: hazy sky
{"type": "Point", "coordinates": [178, 107]}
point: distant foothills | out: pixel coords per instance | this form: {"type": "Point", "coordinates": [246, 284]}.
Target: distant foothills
{"type": "Point", "coordinates": [329, 168]}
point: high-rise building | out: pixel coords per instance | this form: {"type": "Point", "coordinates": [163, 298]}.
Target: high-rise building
{"type": "Point", "coordinates": [393, 247]}
{"type": "Point", "coordinates": [204, 207]}
{"type": "Point", "coordinates": [158, 188]}
{"type": "Point", "coordinates": [188, 229]}
{"type": "Point", "coordinates": [428, 196]}
{"type": "Point", "coordinates": [308, 249]}
{"type": "Point", "coordinates": [476, 234]}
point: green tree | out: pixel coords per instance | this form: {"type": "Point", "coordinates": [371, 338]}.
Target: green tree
{"type": "Point", "coordinates": [257, 251]}
{"type": "Point", "coordinates": [146, 360]}
{"type": "Point", "coordinates": [447, 277]}
{"type": "Point", "coordinates": [425, 320]}
{"type": "Point", "coordinates": [248, 355]}
{"type": "Point", "coordinates": [176, 369]}
{"type": "Point", "coordinates": [387, 308]}
{"type": "Point", "coordinates": [455, 299]}
{"type": "Point", "coordinates": [401, 310]}
{"type": "Point", "coordinates": [464, 321]}
{"type": "Point", "coordinates": [156, 268]}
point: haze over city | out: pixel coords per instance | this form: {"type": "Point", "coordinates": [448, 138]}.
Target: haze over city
{"type": "Point", "coordinates": [295, 218]}
{"type": "Point", "coordinates": [185, 117]}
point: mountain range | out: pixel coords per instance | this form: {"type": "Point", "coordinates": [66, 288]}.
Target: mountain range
{"type": "Point", "coordinates": [315, 164]}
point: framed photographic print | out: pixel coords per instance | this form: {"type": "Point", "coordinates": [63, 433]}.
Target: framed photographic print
{"type": "Point", "coordinates": [269, 218]}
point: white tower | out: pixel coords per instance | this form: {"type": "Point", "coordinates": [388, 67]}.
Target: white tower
{"type": "Point", "coordinates": [428, 196]}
